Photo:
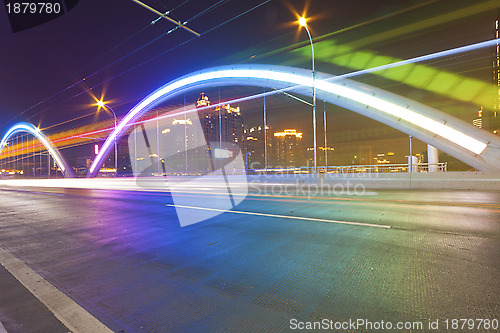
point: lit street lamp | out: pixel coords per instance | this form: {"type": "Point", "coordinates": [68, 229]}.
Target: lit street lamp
{"type": "Point", "coordinates": [101, 104]}
{"type": "Point", "coordinates": [302, 22]}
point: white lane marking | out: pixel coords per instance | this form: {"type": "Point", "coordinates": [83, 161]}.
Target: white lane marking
{"type": "Point", "coordinates": [285, 216]}
{"type": "Point", "coordinates": [2, 329]}
{"type": "Point", "coordinates": [70, 313]}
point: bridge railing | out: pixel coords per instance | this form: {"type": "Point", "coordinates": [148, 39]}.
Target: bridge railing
{"type": "Point", "coordinates": [369, 168]}
{"type": "Point", "coordinates": [338, 169]}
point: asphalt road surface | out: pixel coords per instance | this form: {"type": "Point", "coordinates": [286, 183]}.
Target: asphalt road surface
{"type": "Point", "coordinates": [404, 256]}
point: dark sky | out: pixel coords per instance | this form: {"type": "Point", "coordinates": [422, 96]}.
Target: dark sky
{"type": "Point", "coordinates": [44, 61]}
{"type": "Point", "coordinates": [40, 62]}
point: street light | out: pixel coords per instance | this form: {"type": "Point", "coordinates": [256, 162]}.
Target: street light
{"type": "Point", "coordinates": [101, 104]}
{"type": "Point", "coordinates": [303, 23]}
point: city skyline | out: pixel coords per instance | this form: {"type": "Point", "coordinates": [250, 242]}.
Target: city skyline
{"type": "Point", "coordinates": [352, 136]}
{"type": "Point", "coordinates": [278, 155]}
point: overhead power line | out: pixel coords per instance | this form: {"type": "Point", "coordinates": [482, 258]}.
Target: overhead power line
{"type": "Point", "coordinates": [165, 16]}
{"type": "Point", "coordinates": [114, 62]}
{"type": "Point", "coordinates": [144, 62]}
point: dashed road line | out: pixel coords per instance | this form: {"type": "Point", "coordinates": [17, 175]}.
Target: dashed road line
{"type": "Point", "coordinates": [2, 329]}
{"type": "Point", "coordinates": [284, 216]}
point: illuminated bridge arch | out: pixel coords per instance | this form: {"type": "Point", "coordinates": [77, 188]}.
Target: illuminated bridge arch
{"type": "Point", "coordinates": [476, 147]}
{"type": "Point", "coordinates": [66, 170]}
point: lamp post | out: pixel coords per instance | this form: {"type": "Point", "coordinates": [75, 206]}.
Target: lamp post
{"type": "Point", "coordinates": [103, 105]}
{"type": "Point", "coordinates": [303, 22]}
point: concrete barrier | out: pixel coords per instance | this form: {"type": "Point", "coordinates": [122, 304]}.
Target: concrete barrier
{"type": "Point", "coordinates": [415, 180]}
{"type": "Point", "coordinates": [489, 181]}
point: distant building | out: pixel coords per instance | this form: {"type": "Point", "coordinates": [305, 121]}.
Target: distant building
{"type": "Point", "coordinates": [320, 155]}
{"type": "Point", "coordinates": [124, 162]}
{"type": "Point", "coordinates": [231, 122]}
{"type": "Point", "coordinates": [180, 134]}
{"type": "Point", "coordinates": [287, 149]}
{"type": "Point", "coordinates": [494, 121]}
{"type": "Point", "coordinates": [254, 146]}
{"type": "Point", "coordinates": [223, 123]}
{"type": "Point", "coordinates": [202, 101]}
{"type": "Point", "coordinates": [478, 122]}
{"type": "Point", "coordinates": [491, 117]}
{"type": "Point", "coordinates": [187, 150]}
{"type": "Point", "coordinates": [254, 158]}
{"type": "Point", "coordinates": [81, 165]}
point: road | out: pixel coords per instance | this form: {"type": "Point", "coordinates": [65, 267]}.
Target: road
{"type": "Point", "coordinates": [408, 256]}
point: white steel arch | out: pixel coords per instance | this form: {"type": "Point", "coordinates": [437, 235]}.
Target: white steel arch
{"type": "Point", "coordinates": [476, 147]}
{"type": "Point", "coordinates": [66, 170]}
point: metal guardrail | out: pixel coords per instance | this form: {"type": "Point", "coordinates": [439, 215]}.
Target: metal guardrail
{"type": "Point", "coordinates": [338, 169]}
{"type": "Point", "coordinates": [374, 168]}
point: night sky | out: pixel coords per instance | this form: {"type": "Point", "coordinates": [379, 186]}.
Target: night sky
{"type": "Point", "coordinates": [43, 67]}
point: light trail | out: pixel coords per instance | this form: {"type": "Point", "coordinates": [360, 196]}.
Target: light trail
{"type": "Point", "coordinates": [29, 128]}
{"type": "Point", "coordinates": [436, 127]}
{"type": "Point", "coordinates": [457, 50]}
{"type": "Point", "coordinates": [65, 141]}
{"type": "Point", "coordinates": [461, 49]}
{"type": "Point", "coordinates": [290, 76]}
{"type": "Point", "coordinates": [129, 184]}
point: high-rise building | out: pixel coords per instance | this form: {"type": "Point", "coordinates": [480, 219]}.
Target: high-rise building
{"type": "Point", "coordinates": [478, 122]}
{"type": "Point", "coordinates": [287, 148]}
{"type": "Point", "coordinates": [252, 150]}
{"type": "Point", "coordinates": [185, 145]}
{"type": "Point", "coordinates": [124, 164]}
{"type": "Point", "coordinates": [254, 146]}
{"type": "Point", "coordinates": [320, 155]}
{"type": "Point", "coordinates": [180, 139]}
{"type": "Point", "coordinates": [491, 120]}
{"type": "Point", "coordinates": [171, 144]}
{"type": "Point", "coordinates": [223, 123]}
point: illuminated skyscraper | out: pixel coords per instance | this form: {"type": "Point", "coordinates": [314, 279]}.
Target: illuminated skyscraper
{"type": "Point", "coordinates": [177, 143]}
{"type": "Point", "coordinates": [492, 119]}
{"type": "Point", "coordinates": [287, 148]}
{"type": "Point", "coordinates": [208, 121]}
{"type": "Point", "coordinates": [253, 146]}
{"type": "Point", "coordinates": [202, 101]}
{"type": "Point", "coordinates": [223, 123]}
{"type": "Point", "coordinates": [184, 143]}
{"type": "Point", "coordinates": [177, 135]}
{"type": "Point", "coordinates": [479, 120]}
{"type": "Point", "coordinates": [320, 155]}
